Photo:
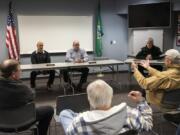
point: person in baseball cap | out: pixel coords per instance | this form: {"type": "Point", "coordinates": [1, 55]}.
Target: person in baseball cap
{"type": "Point", "coordinates": [158, 81]}
{"type": "Point", "coordinates": [172, 56]}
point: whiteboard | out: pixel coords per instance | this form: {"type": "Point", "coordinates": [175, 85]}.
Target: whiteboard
{"type": "Point", "coordinates": [140, 38]}
{"type": "Point", "coordinates": [57, 32]}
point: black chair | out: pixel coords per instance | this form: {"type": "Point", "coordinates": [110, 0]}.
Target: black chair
{"type": "Point", "coordinates": [76, 102]}
{"type": "Point", "coordinates": [172, 98]}
{"type": "Point", "coordinates": [17, 120]}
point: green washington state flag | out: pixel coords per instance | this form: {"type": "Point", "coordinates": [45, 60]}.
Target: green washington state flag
{"type": "Point", "coordinates": [99, 33]}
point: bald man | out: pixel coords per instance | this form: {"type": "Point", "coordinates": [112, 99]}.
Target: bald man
{"type": "Point", "coordinates": [76, 55]}
{"type": "Point", "coordinates": [41, 56]}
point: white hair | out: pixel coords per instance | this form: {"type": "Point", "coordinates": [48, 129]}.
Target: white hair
{"type": "Point", "coordinates": [99, 94]}
{"type": "Point", "coordinates": [173, 55]}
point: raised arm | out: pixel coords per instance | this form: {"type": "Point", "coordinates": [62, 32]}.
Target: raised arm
{"type": "Point", "coordinates": [146, 65]}
{"type": "Point", "coordinates": [153, 82]}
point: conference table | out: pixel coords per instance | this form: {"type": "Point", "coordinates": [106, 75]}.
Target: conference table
{"type": "Point", "coordinates": [62, 65]}
{"type": "Point", "coordinates": [152, 62]}
{"type": "Point", "coordinates": [112, 64]}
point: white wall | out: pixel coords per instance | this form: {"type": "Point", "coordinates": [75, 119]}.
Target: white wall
{"type": "Point", "coordinates": [57, 32]}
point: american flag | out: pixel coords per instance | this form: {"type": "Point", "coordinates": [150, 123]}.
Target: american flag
{"type": "Point", "coordinates": [11, 41]}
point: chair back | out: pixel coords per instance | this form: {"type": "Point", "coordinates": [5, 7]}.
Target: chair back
{"type": "Point", "coordinates": [171, 97]}
{"type": "Point", "coordinates": [16, 118]}
{"type": "Point", "coordinates": [76, 102]}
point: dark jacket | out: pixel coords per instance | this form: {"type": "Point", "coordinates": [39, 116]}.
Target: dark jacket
{"type": "Point", "coordinates": [37, 57]}
{"type": "Point", "coordinates": [14, 94]}
{"type": "Point", "coordinates": [154, 51]}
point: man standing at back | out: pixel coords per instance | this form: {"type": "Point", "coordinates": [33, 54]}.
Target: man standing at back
{"type": "Point", "coordinates": [14, 94]}
{"type": "Point", "coordinates": [76, 55]}
{"type": "Point", "coordinates": [41, 56]}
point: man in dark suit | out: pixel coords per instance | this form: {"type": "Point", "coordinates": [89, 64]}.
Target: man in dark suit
{"type": "Point", "coordinates": [13, 93]}
{"type": "Point", "coordinates": [41, 56]}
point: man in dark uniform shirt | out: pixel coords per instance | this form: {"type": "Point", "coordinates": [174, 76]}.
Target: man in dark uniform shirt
{"type": "Point", "coordinates": [149, 52]}
{"type": "Point", "coordinates": [14, 94]}
{"type": "Point", "coordinates": [37, 57]}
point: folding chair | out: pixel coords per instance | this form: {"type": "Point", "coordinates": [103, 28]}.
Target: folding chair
{"type": "Point", "coordinates": [76, 102]}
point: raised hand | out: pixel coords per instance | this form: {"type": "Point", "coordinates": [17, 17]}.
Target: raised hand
{"type": "Point", "coordinates": [144, 63]}
{"type": "Point", "coordinates": [135, 96]}
{"type": "Point", "coordinates": [134, 66]}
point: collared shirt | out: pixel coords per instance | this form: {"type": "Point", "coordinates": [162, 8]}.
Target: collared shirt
{"type": "Point", "coordinates": [73, 55]}
{"type": "Point", "coordinates": [139, 118]}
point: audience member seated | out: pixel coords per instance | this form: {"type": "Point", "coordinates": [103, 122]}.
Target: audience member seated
{"type": "Point", "coordinates": [149, 52]}
{"type": "Point", "coordinates": [37, 57]}
{"type": "Point", "coordinates": [14, 93]}
{"type": "Point", "coordinates": [76, 55]}
{"type": "Point", "coordinates": [104, 119]}
{"type": "Point", "coordinates": [160, 80]}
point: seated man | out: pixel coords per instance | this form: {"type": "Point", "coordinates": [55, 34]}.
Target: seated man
{"type": "Point", "coordinates": [149, 52]}
{"type": "Point", "coordinates": [14, 93]}
{"type": "Point", "coordinates": [37, 57]}
{"type": "Point", "coordinates": [159, 81]}
{"type": "Point", "coordinates": [105, 119]}
{"type": "Point", "coordinates": [76, 55]}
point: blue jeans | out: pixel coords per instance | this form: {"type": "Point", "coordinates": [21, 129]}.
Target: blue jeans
{"type": "Point", "coordinates": [66, 118]}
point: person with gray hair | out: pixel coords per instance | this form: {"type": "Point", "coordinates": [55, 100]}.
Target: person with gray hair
{"type": "Point", "coordinates": [158, 81]}
{"type": "Point", "coordinates": [102, 97]}
{"type": "Point", "coordinates": [103, 119]}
